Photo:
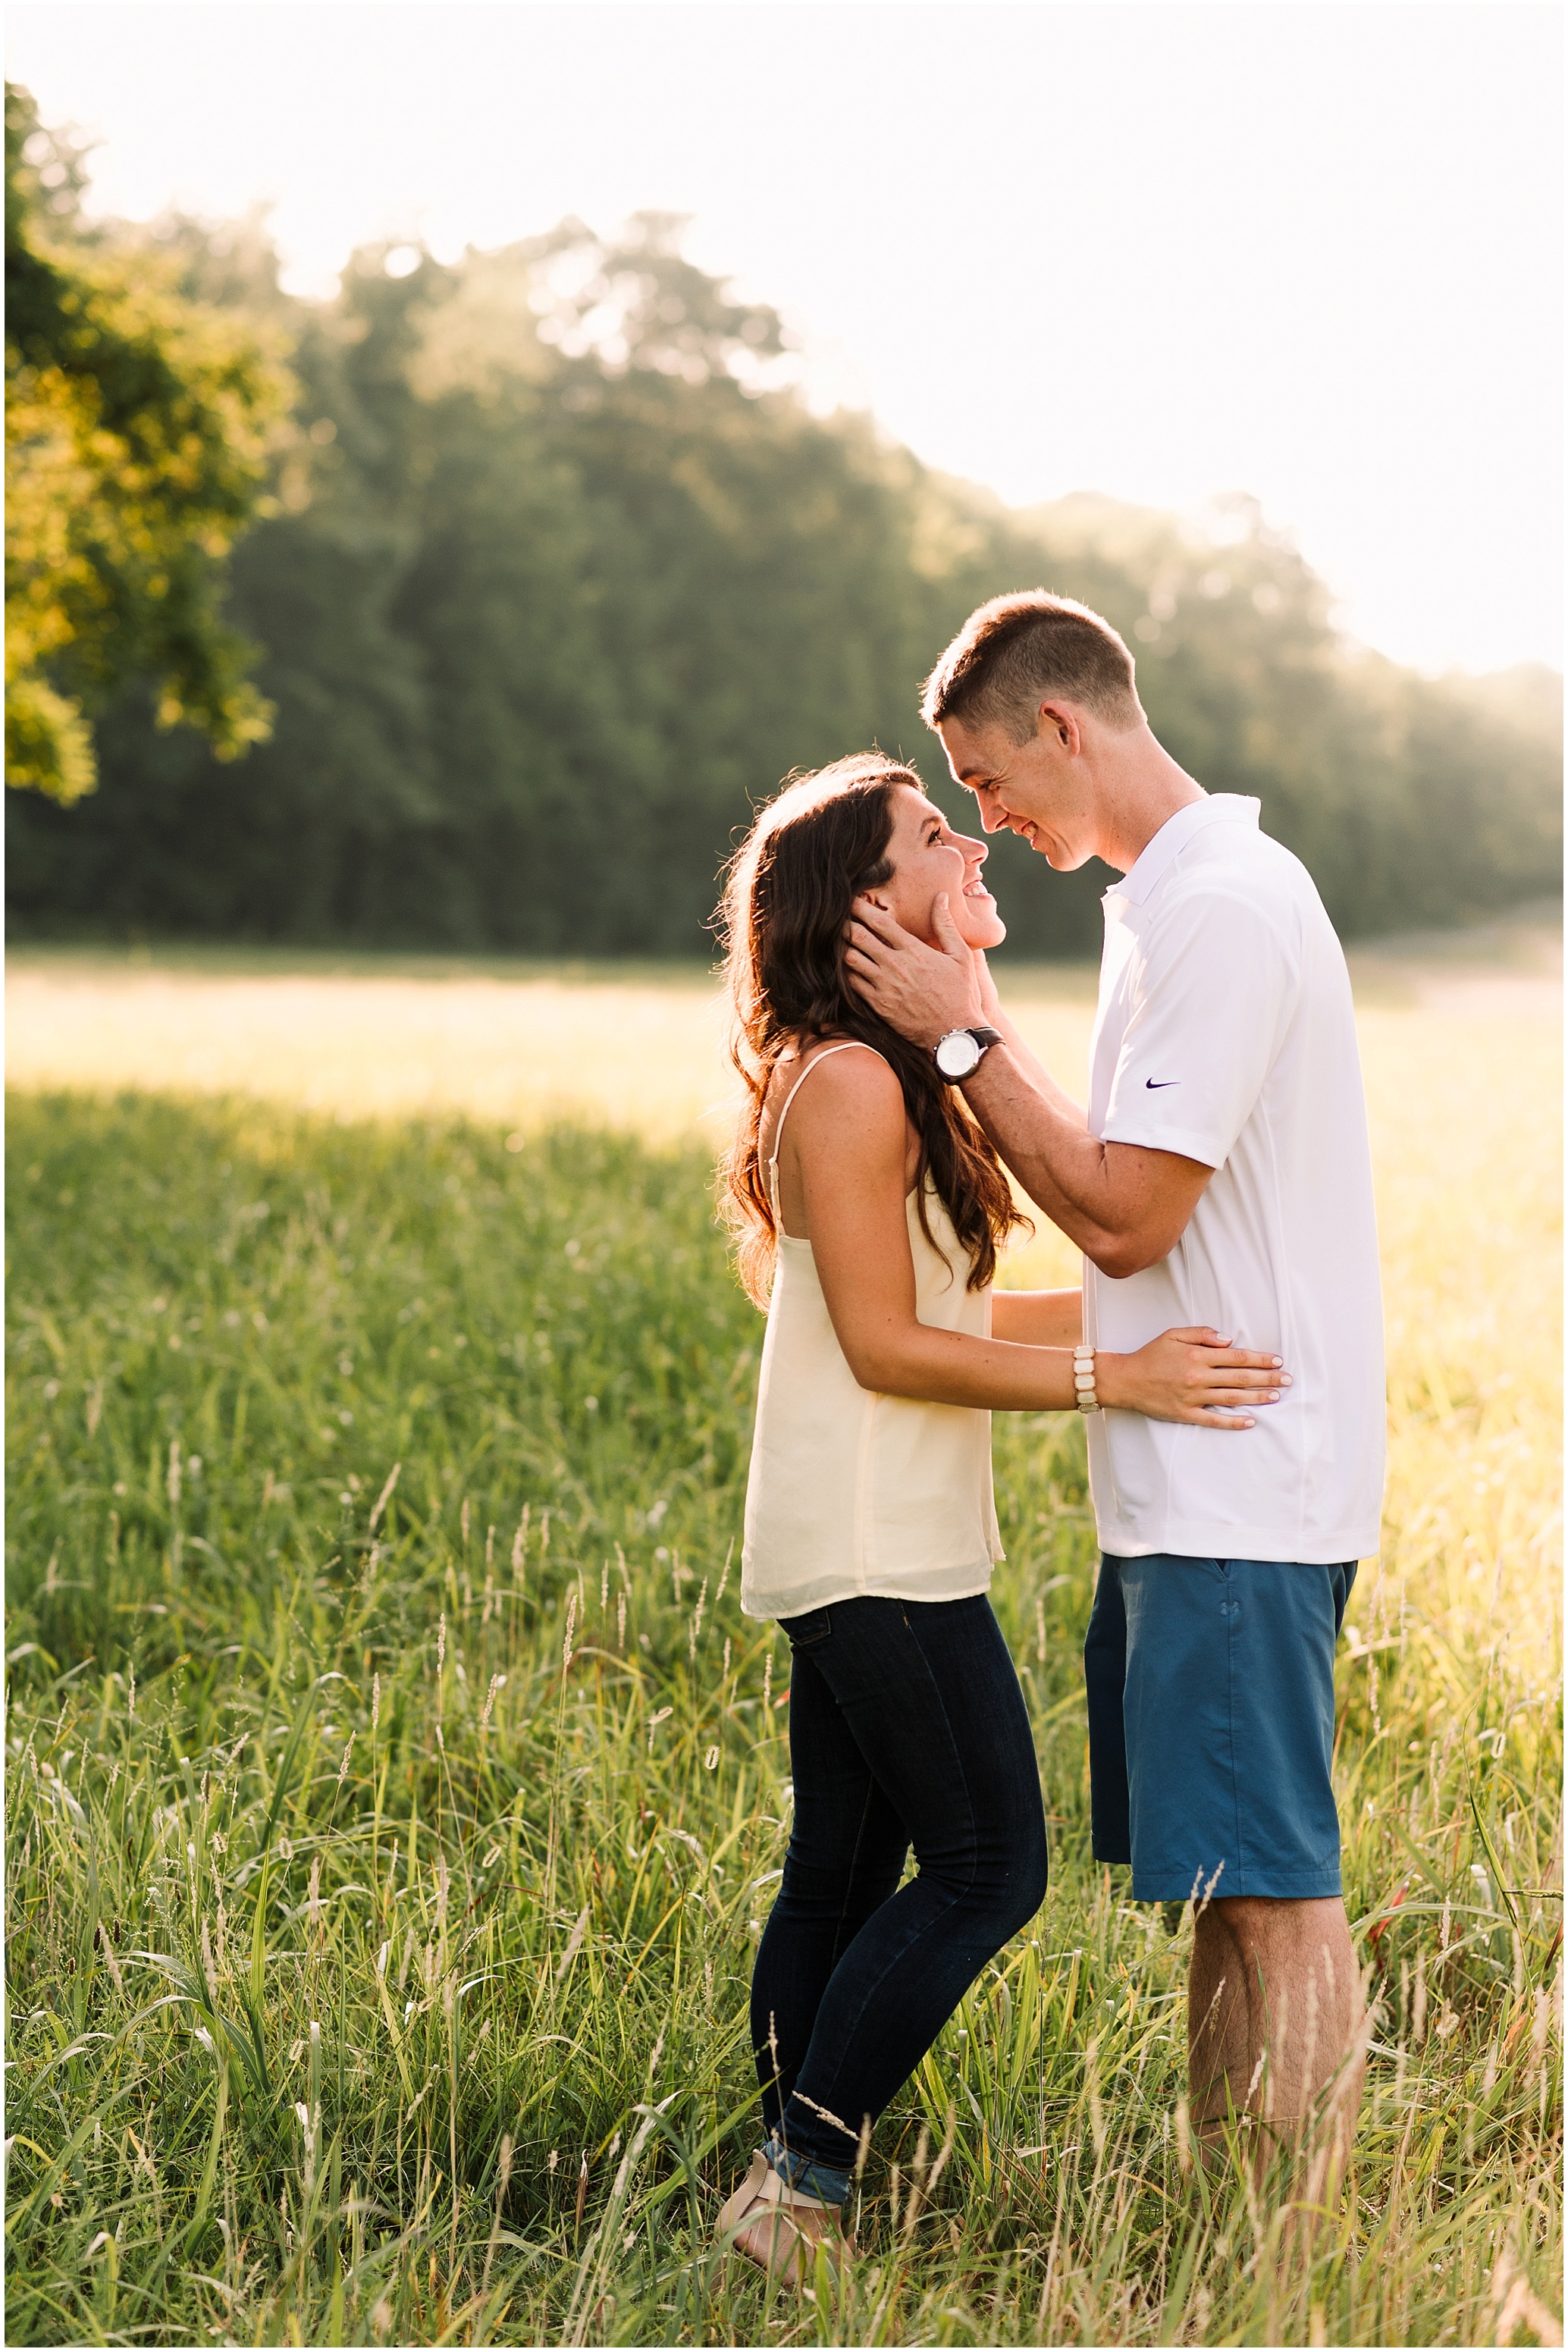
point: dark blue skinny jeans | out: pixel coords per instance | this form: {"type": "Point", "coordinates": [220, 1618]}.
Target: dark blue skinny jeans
{"type": "Point", "coordinates": [907, 1726]}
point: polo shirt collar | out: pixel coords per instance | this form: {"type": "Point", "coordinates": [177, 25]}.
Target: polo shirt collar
{"type": "Point", "coordinates": [1140, 878]}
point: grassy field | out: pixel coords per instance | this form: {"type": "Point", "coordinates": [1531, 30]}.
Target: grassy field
{"type": "Point", "coordinates": [395, 1789]}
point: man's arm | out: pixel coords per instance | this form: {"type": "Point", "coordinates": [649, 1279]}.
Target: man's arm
{"type": "Point", "coordinates": [1126, 1206]}
{"type": "Point", "coordinates": [995, 1014]}
{"type": "Point", "coordinates": [847, 1136]}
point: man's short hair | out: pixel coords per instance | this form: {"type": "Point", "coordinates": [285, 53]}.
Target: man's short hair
{"type": "Point", "coordinates": [1019, 651]}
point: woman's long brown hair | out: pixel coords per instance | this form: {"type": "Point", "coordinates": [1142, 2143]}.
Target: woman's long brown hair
{"type": "Point", "coordinates": [786, 902]}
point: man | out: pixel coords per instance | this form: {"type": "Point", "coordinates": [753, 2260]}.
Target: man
{"type": "Point", "coordinates": [1221, 1176]}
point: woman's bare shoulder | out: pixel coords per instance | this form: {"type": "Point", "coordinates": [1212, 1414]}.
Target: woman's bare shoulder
{"type": "Point", "coordinates": [848, 1068]}
{"type": "Point", "coordinates": [857, 1083]}
{"type": "Point", "coordinates": [852, 1077]}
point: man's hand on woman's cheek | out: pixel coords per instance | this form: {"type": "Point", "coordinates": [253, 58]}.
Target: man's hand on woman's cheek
{"type": "Point", "coordinates": [921, 992]}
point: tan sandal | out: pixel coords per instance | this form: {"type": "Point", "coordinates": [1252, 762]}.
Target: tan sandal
{"type": "Point", "coordinates": [770, 2224]}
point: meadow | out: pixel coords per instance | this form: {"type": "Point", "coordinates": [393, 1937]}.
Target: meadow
{"type": "Point", "coordinates": [395, 1789]}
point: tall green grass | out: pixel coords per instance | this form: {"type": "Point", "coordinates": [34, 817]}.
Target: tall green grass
{"type": "Point", "coordinates": [396, 1792]}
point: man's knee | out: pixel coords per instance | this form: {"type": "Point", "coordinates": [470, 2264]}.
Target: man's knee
{"type": "Point", "coordinates": [1266, 1919]}
{"type": "Point", "coordinates": [1240, 1915]}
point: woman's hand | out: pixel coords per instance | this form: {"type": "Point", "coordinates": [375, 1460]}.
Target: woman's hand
{"type": "Point", "coordinates": [1194, 1376]}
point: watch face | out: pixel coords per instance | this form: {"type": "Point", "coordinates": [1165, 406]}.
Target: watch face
{"type": "Point", "coordinates": [957, 1054]}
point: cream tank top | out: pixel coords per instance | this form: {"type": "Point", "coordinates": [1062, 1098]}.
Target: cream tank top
{"type": "Point", "coordinates": [852, 1493]}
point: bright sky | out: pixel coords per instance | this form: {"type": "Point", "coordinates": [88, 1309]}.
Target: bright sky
{"type": "Point", "coordinates": [1309, 251]}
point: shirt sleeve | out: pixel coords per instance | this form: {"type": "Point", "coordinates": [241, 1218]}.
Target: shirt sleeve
{"type": "Point", "coordinates": [1214, 989]}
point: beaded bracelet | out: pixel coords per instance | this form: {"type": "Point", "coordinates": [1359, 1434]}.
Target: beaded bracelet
{"type": "Point", "coordinates": [1083, 1380]}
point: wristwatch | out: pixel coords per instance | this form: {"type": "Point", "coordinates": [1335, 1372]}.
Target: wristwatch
{"type": "Point", "coordinates": [958, 1053]}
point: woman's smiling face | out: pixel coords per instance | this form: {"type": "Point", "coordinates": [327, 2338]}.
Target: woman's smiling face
{"type": "Point", "coordinates": [928, 857]}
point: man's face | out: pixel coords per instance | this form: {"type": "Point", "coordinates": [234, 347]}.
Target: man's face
{"type": "Point", "coordinates": [1039, 789]}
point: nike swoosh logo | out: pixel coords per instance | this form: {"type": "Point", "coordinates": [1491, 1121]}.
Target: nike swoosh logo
{"type": "Point", "coordinates": [1154, 1084]}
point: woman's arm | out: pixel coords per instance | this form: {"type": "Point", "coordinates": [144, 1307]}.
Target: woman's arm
{"type": "Point", "coordinates": [1040, 1318]}
{"type": "Point", "coordinates": [847, 1137]}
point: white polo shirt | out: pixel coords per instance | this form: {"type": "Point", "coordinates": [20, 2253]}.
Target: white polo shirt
{"type": "Point", "coordinates": [1226, 1033]}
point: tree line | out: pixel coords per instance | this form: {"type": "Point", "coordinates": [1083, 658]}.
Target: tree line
{"type": "Point", "coordinates": [553, 576]}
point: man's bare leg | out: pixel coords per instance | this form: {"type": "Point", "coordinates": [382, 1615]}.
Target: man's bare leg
{"type": "Point", "coordinates": [1294, 2029]}
{"type": "Point", "coordinates": [1218, 2064]}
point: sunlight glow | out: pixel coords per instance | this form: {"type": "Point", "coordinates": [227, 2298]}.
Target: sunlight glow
{"type": "Point", "coordinates": [1157, 252]}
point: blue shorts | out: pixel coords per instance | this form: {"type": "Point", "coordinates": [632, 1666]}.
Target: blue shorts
{"type": "Point", "coordinates": [1211, 1725]}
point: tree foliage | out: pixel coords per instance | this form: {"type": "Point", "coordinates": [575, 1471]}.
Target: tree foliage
{"type": "Point", "coordinates": [563, 577]}
{"type": "Point", "coordinates": [137, 424]}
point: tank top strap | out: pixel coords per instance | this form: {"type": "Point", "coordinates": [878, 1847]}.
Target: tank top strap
{"type": "Point", "coordinates": [847, 1045]}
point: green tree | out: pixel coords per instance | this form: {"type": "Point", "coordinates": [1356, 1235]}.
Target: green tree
{"type": "Point", "coordinates": [560, 577]}
{"type": "Point", "coordinates": [137, 425]}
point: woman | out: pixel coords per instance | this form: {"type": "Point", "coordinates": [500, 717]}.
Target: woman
{"type": "Point", "coordinates": [868, 1208]}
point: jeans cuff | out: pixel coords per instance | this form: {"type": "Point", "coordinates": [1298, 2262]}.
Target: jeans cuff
{"type": "Point", "coordinates": [800, 2171]}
